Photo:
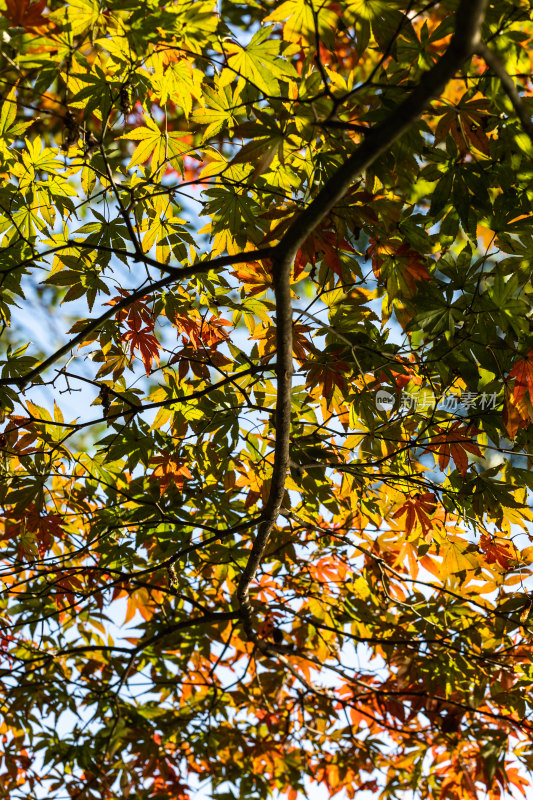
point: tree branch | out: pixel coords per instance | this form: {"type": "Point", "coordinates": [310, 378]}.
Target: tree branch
{"type": "Point", "coordinates": [93, 324]}
{"type": "Point", "coordinates": [495, 63]}
{"type": "Point", "coordinates": [462, 45]}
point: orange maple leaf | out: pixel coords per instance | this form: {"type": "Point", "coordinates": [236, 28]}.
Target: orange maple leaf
{"type": "Point", "coordinates": [513, 777]}
{"type": "Point", "coordinates": [135, 314]}
{"type": "Point", "coordinates": [266, 335]}
{"type": "Point", "coordinates": [517, 410]}
{"type": "Point", "coordinates": [454, 442]}
{"type": "Point", "coordinates": [254, 277]}
{"type": "Point", "coordinates": [169, 470]}
{"type": "Point", "coordinates": [416, 509]}
{"type": "Point", "coordinates": [208, 333]}
{"type": "Point", "coordinates": [516, 415]}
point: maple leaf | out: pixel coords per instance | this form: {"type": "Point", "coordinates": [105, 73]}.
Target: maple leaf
{"type": "Point", "coordinates": [523, 374]}
{"type": "Point", "coordinates": [269, 628]}
{"type": "Point", "coordinates": [497, 551]}
{"type": "Point", "coordinates": [28, 15]}
{"type": "Point", "coordinates": [46, 527]}
{"type": "Point", "coordinates": [466, 122]}
{"type": "Point", "coordinates": [416, 510]}
{"type": "Point", "coordinates": [169, 470]}
{"type": "Point", "coordinates": [324, 244]}
{"type": "Point", "coordinates": [5, 642]}
{"type": "Point", "coordinates": [67, 584]}
{"type": "Point", "coordinates": [402, 379]}
{"type": "Point", "coordinates": [271, 720]}
{"type": "Point", "coordinates": [255, 277]}
{"type": "Point", "coordinates": [168, 783]}
{"type": "Point", "coordinates": [157, 146]}
{"type": "Point", "coordinates": [456, 442]}
{"type": "Point", "coordinates": [518, 404]}
{"type": "Point", "coordinates": [266, 335]}
{"type": "Point", "coordinates": [147, 344]}
{"type": "Point", "coordinates": [327, 371]}
{"type": "Point", "coordinates": [208, 333]}
{"type": "Point", "coordinates": [134, 314]}
{"type": "Point", "coordinates": [328, 571]}
{"type": "Point", "coordinates": [516, 415]}
{"type": "Point", "coordinates": [512, 777]}
{"type": "Point", "coordinates": [400, 258]}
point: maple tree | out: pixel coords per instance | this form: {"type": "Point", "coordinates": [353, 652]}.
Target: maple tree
{"type": "Point", "coordinates": [266, 399]}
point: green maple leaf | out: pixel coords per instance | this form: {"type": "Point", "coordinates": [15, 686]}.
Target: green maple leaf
{"type": "Point", "coordinates": [259, 62]}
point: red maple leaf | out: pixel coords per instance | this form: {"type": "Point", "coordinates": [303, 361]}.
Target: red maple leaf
{"type": "Point", "coordinates": [324, 244]}
{"type": "Point", "coordinates": [523, 373]}
{"type": "Point", "coordinates": [328, 371]}
{"type": "Point", "coordinates": [409, 262]}
{"type": "Point", "coordinates": [401, 379]}
{"type": "Point", "coordinates": [417, 508]}
{"type": "Point", "coordinates": [24, 14]}
{"type": "Point", "coordinates": [148, 346]}
{"type": "Point", "coordinates": [496, 551]}
{"type": "Point", "coordinates": [46, 527]}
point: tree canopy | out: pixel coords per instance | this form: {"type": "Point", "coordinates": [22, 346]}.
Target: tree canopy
{"type": "Point", "coordinates": [266, 399]}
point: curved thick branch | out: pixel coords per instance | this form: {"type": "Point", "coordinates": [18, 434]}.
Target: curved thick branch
{"type": "Point", "coordinates": [377, 140]}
